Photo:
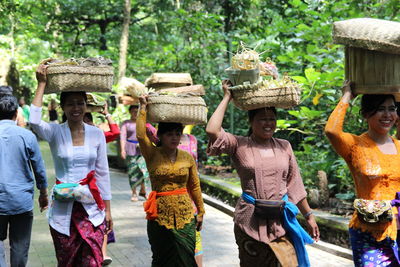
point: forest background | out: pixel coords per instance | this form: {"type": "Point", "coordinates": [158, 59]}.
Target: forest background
{"type": "Point", "coordinates": [146, 36]}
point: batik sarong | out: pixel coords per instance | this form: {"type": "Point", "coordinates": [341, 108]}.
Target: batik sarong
{"type": "Point", "coordinates": [83, 246]}
{"type": "Point", "coordinates": [172, 247]}
{"type": "Point", "coordinates": [137, 170]}
{"type": "Point", "coordinates": [253, 253]}
{"type": "Point", "coordinates": [367, 252]}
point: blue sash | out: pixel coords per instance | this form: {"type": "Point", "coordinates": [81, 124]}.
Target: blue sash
{"type": "Point", "coordinates": [132, 141]}
{"type": "Point", "coordinates": [298, 235]}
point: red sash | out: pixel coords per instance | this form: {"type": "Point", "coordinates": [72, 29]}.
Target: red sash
{"type": "Point", "coordinates": [90, 180]}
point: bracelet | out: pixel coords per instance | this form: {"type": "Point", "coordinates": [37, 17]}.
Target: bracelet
{"type": "Point", "coordinates": [308, 214]}
{"type": "Point", "coordinates": [108, 115]}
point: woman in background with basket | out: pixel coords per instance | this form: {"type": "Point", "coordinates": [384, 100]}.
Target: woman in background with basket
{"type": "Point", "coordinates": [373, 159]}
{"type": "Point", "coordinates": [268, 171]}
{"type": "Point", "coordinates": [79, 154]}
{"type": "Point", "coordinates": [137, 170]}
{"type": "Point", "coordinates": [173, 174]}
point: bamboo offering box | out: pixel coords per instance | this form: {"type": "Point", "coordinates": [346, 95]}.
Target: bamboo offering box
{"type": "Point", "coordinates": [168, 80]}
{"type": "Point", "coordinates": [372, 54]}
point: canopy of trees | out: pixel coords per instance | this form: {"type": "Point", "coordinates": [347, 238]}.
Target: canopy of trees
{"type": "Point", "coordinates": [197, 37]}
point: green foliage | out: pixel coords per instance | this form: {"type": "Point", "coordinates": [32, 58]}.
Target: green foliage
{"type": "Point", "coordinates": [198, 37]}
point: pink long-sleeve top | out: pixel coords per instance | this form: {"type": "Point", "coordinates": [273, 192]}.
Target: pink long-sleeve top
{"type": "Point", "coordinates": [263, 178]}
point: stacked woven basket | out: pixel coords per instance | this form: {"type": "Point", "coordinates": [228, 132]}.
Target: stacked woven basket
{"type": "Point", "coordinates": [372, 58]}
{"type": "Point", "coordinates": [172, 98]}
{"type": "Point", "coordinates": [250, 91]}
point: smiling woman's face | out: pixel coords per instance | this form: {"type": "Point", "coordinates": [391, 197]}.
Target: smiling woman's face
{"type": "Point", "coordinates": [384, 118]}
{"type": "Point", "coordinates": [264, 124]}
{"type": "Point", "coordinates": [74, 107]}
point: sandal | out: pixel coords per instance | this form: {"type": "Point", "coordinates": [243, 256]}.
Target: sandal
{"type": "Point", "coordinates": [134, 198]}
{"type": "Point", "coordinates": [107, 261]}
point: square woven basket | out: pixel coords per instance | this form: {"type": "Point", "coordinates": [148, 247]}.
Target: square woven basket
{"type": "Point", "coordinates": [182, 109]}
{"type": "Point", "coordinates": [67, 78]}
{"type": "Point", "coordinates": [254, 96]}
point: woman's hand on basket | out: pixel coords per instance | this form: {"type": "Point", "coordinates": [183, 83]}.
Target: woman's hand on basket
{"type": "Point", "coordinates": [41, 71]}
{"type": "Point", "coordinates": [105, 109]}
{"type": "Point", "coordinates": [312, 227]}
{"type": "Point", "coordinates": [225, 87]}
{"type": "Point", "coordinates": [143, 101]}
{"type": "Point", "coordinates": [347, 92]}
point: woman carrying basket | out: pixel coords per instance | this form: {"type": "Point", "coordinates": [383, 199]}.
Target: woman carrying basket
{"type": "Point", "coordinates": [171, 225]}
{"type": "Point", "coordinates": [373, 159]}
{"type": "Point", "coordinates": [268, 170]}
{"type": "Point", "coordinates": [79, 154]}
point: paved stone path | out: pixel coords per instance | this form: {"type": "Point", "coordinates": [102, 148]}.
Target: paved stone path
{"type": "Point", "coordinates": [132, 247]}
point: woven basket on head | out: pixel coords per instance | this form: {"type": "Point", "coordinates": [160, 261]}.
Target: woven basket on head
{"type": "Point", "coordinates": [371, 34]}
{"type": "Point", "coordinates": [185, 109]}
{"type": "Point", "coordinates": [66, 78]}
{"type": "Point", "coordinates": [373, 72]}
{"type": "Point", "coordinates": [259, 95]}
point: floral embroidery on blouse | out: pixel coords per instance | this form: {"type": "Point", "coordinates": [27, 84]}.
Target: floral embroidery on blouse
{"type": "Point", "coordinates": [375, 174]}
{"type": "Point", "coordinates": [174, 211]}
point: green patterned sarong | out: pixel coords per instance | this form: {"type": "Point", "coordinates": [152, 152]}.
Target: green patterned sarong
{"type": "Point", "coordinates": [172, 247]}
{"type": "Point", "coordinates": [137, 170]}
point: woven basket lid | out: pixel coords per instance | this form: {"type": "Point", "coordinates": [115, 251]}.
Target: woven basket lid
{"type": "Point", "coordinates": [367, 33]}
{"type": "Point", "coordinates": [186, 100]}
{"type": "Point", "coordinates": [97, 70]}
{"type": "Point", "coordinates": [171, 78]}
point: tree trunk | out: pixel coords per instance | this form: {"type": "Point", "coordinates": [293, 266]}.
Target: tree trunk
{"type": "Point", "coordinates": [123, 47]}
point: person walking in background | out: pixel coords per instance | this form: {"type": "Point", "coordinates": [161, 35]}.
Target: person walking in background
{"type": "Point", "coordinates": [25, 109]}
{"type": "Point", "coordinates": [171, 226]}
{"type": "Point", "coordinates": [373, 159]}
{"type": "Point", "coordinates": [77, 226]}
{"type": "Point", "coordinates": [114, 131]}
{"type": "Point", "coordinates": [20, 164]}
{"type": "Point", "coordinates": [268, 170]}
{"type": "Point", "coordinates": [110, 137]}
{"type": "Point", "coordinates": [137, 170]}
{"type": "Point", "coordinates": [52, 108]}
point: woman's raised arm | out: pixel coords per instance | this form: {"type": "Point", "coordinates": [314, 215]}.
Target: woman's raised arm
{"type": "Point", "coordinates": [41, 76]}
{"type": "Point", "coordinates": [214, 124]}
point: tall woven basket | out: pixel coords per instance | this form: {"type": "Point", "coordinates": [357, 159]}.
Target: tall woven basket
{"type": "Point", "coordinates": [67, 78]}
{"type": "Point", "coordinates": [259, 95]}
{"type": "Point", "coordinates": [373, 72]}
{"type": "Point", "coordinates": [184, 109]}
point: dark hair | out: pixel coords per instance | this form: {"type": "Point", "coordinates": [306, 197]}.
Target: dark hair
{"type": "Point", "coordinates": [65, 95]}
{"type": "Point", "coordinates": [370, 104]}
{"type": "Point", "coordinates": [165, 127]}
{"type": "Point", "coordinates": [89, 116]}
{"type": "Point", "coordinates": [252, 113]}
{"type": "Point", "coordinates": [8, 107]}
{"type": "Point", "coordinates": [133, 106]}
{"type": "Point", "coordinates": [5, 90]}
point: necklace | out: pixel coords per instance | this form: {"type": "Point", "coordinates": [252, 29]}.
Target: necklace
{"type": "Point", "coordinates": [172, 156]}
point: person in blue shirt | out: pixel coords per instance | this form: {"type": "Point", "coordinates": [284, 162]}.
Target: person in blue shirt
{"type": "Point", "coordinates": [20, 164]}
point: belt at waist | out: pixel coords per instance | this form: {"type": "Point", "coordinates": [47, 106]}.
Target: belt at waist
{"type": "Point", "coordinates": [132, 141]}
{"type": "Point", "coordinates": [298, 235]}
{"type": "Point", "coordinates": [90, 180]}
{"type": "Point", "coordinates": [150, 206]}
